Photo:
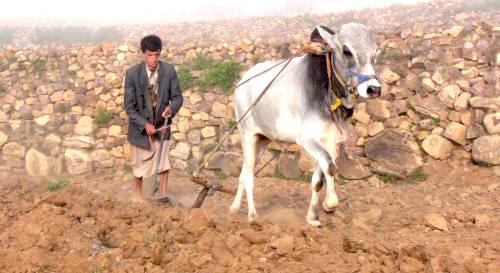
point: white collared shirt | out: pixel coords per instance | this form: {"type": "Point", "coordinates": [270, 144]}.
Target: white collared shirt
{"type": "Point", "coordinates": [149, 72]}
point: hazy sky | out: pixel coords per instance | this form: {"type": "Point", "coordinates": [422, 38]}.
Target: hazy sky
{"type": "Point", "coordinates": [134, 11]}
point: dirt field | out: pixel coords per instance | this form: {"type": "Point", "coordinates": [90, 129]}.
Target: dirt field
{"type": "Point", "coordinates": [449, 223]}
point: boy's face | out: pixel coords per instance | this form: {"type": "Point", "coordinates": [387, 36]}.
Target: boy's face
{"type": "Point", "coordinates": [152, 58]}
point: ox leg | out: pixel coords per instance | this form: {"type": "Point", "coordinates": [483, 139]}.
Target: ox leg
{"type": "Point", "coordinates": [327, 166]}
{"type": "Point", "coordinates": [235, 206]}
{"type": "Point", "coordinates": [331, 200]}
{"type": "Point", "coordinates": [246, 178]}
{"type": "Point", "coordinates": [316, 185]}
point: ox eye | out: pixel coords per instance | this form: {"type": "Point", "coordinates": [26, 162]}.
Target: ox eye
{"type": "Point", "coordinates": [347, 53]}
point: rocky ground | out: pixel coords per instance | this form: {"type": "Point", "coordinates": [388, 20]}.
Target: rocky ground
{"type": "Point", "coordinates": [449, 223]}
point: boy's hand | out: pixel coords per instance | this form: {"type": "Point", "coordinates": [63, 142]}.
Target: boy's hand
{"type": "Point", "coordinates": [167, 112]}
{"type": "Point", "coordinates": [150, 129]}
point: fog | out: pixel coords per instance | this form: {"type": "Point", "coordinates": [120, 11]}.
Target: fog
{"type": "Point", "coordinates": [156, 11]}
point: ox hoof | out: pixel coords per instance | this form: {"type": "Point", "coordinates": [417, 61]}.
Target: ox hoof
{"type": "Point", "coordinates": [328, 209]}
{"type": "Point", "coordinates": [252, 218]}
{"type": "Point", "coordinates": [314, 223]}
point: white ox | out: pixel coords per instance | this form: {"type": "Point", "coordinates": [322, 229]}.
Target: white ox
{"type": "Point", "coordinates": [295, 109]}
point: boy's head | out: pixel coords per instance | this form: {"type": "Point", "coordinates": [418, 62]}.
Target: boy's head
{"type": "Point", "coordinates": [151, 48]}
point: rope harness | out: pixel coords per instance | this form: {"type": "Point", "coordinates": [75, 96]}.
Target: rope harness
{"type": "Point", "coordinates": [341, 98]}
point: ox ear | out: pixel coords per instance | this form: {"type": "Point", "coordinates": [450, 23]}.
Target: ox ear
{"type": "Point", "coordinates": [322, 34]}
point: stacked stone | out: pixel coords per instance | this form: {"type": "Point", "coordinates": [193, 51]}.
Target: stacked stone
{"type": "Point", "coordinates": [62, 106]}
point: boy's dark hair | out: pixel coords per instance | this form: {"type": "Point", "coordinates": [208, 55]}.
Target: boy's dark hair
{"type": "Point", "coordinates": [151, 43]}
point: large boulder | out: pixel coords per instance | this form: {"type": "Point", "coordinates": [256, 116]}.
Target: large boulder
{"type": "Point", "coordinates": [102, 158]}
{"type": "Point", "coordinates": [487, 149]}
{"type": "Point", "coordinates": [51, 145]}
{"type": "Point", "coordinates": [483, 102]}
{"type": "Point", "coordinates": [115, 131]}
{"type": "Point", "coordinates": [428, 84]}
{"type": "Point", "coordinates": [77, 161]}
{"type": "Point", "coordinates": [181, 151]}
{"type": "Point", "coordinates": [79, 142]}
{"type": "Point", "coordinates": [37, 163]}
{"type": "Point", "coordinates": [437, 146]}
{"type": "Point", "coordinates": [289, 167]}
{"type": "Point", "coordinates": [216, 161]}
{"type": "Point", "coordinates": [111, 79]}
{"type": "Point", "coordinates": [85, 126]}
{"type": "Point", "coordinates": [389, 76]}
{"type": "Point", "coordinates": [208, 131]}
{"type": "Point", "coordinates": [350, 168]}
{"type": "Point", "coordinates": [429, 106]}
{"type": "Point", "coordinates": [492, 123]}
{"type": "Point", "coordinates": [393, 152]}
{"type": "Point", "coordinates": [462, 101]}
{"type": "Point", "coordinates": [219, 110]}
{"type": "Point", "coordinates": [43, 120]}
{"type": "Point", "coordinates": [183, 126]}
{"type": "Point", "coordinates": [194, 137]}
{"type": "Point", "coordinates": [449, 94]}
{"type": "Point", "coordinates": [14, 149]}
{"type": "Point", "coordinates": [475, 131]}
{"type": "Point", "coordinates": [456, 132]}
{"type": "Point", "coordinates": [232, 163]}
{"type": "Point", "coordinates": [361, 116]}
{"type": "Point", "coordinates": [378, 109]}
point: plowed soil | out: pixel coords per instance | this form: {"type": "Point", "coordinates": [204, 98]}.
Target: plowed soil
{"type": "Point", "coordinates": [448, 223]}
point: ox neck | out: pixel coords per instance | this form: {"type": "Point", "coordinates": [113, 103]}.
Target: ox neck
{"type": "Point", "coordinates": [339, 109]}
{"type": "Point", "coordinates": [335, 85]}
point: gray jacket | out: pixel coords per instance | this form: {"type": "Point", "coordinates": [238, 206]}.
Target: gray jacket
{"type": "Point", "coordinates": [138, 101]}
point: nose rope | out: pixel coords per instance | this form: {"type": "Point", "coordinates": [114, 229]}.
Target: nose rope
{"type": "Point", "coordinates": [360, 78]}
{"type": "Point", "coordinates": [321, 49]}
{"type": "Point", "coordinates": [342, 99]}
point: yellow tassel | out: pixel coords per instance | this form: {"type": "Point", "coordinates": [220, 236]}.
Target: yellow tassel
{"type": "Point", "coordinates": [335, 105]}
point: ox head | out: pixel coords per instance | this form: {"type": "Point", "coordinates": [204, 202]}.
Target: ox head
{"type": "Point", "coordinates": [353, 57]}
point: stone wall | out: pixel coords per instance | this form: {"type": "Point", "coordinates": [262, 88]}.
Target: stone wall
{"type": "Point", "coordinates": [62, 106]}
